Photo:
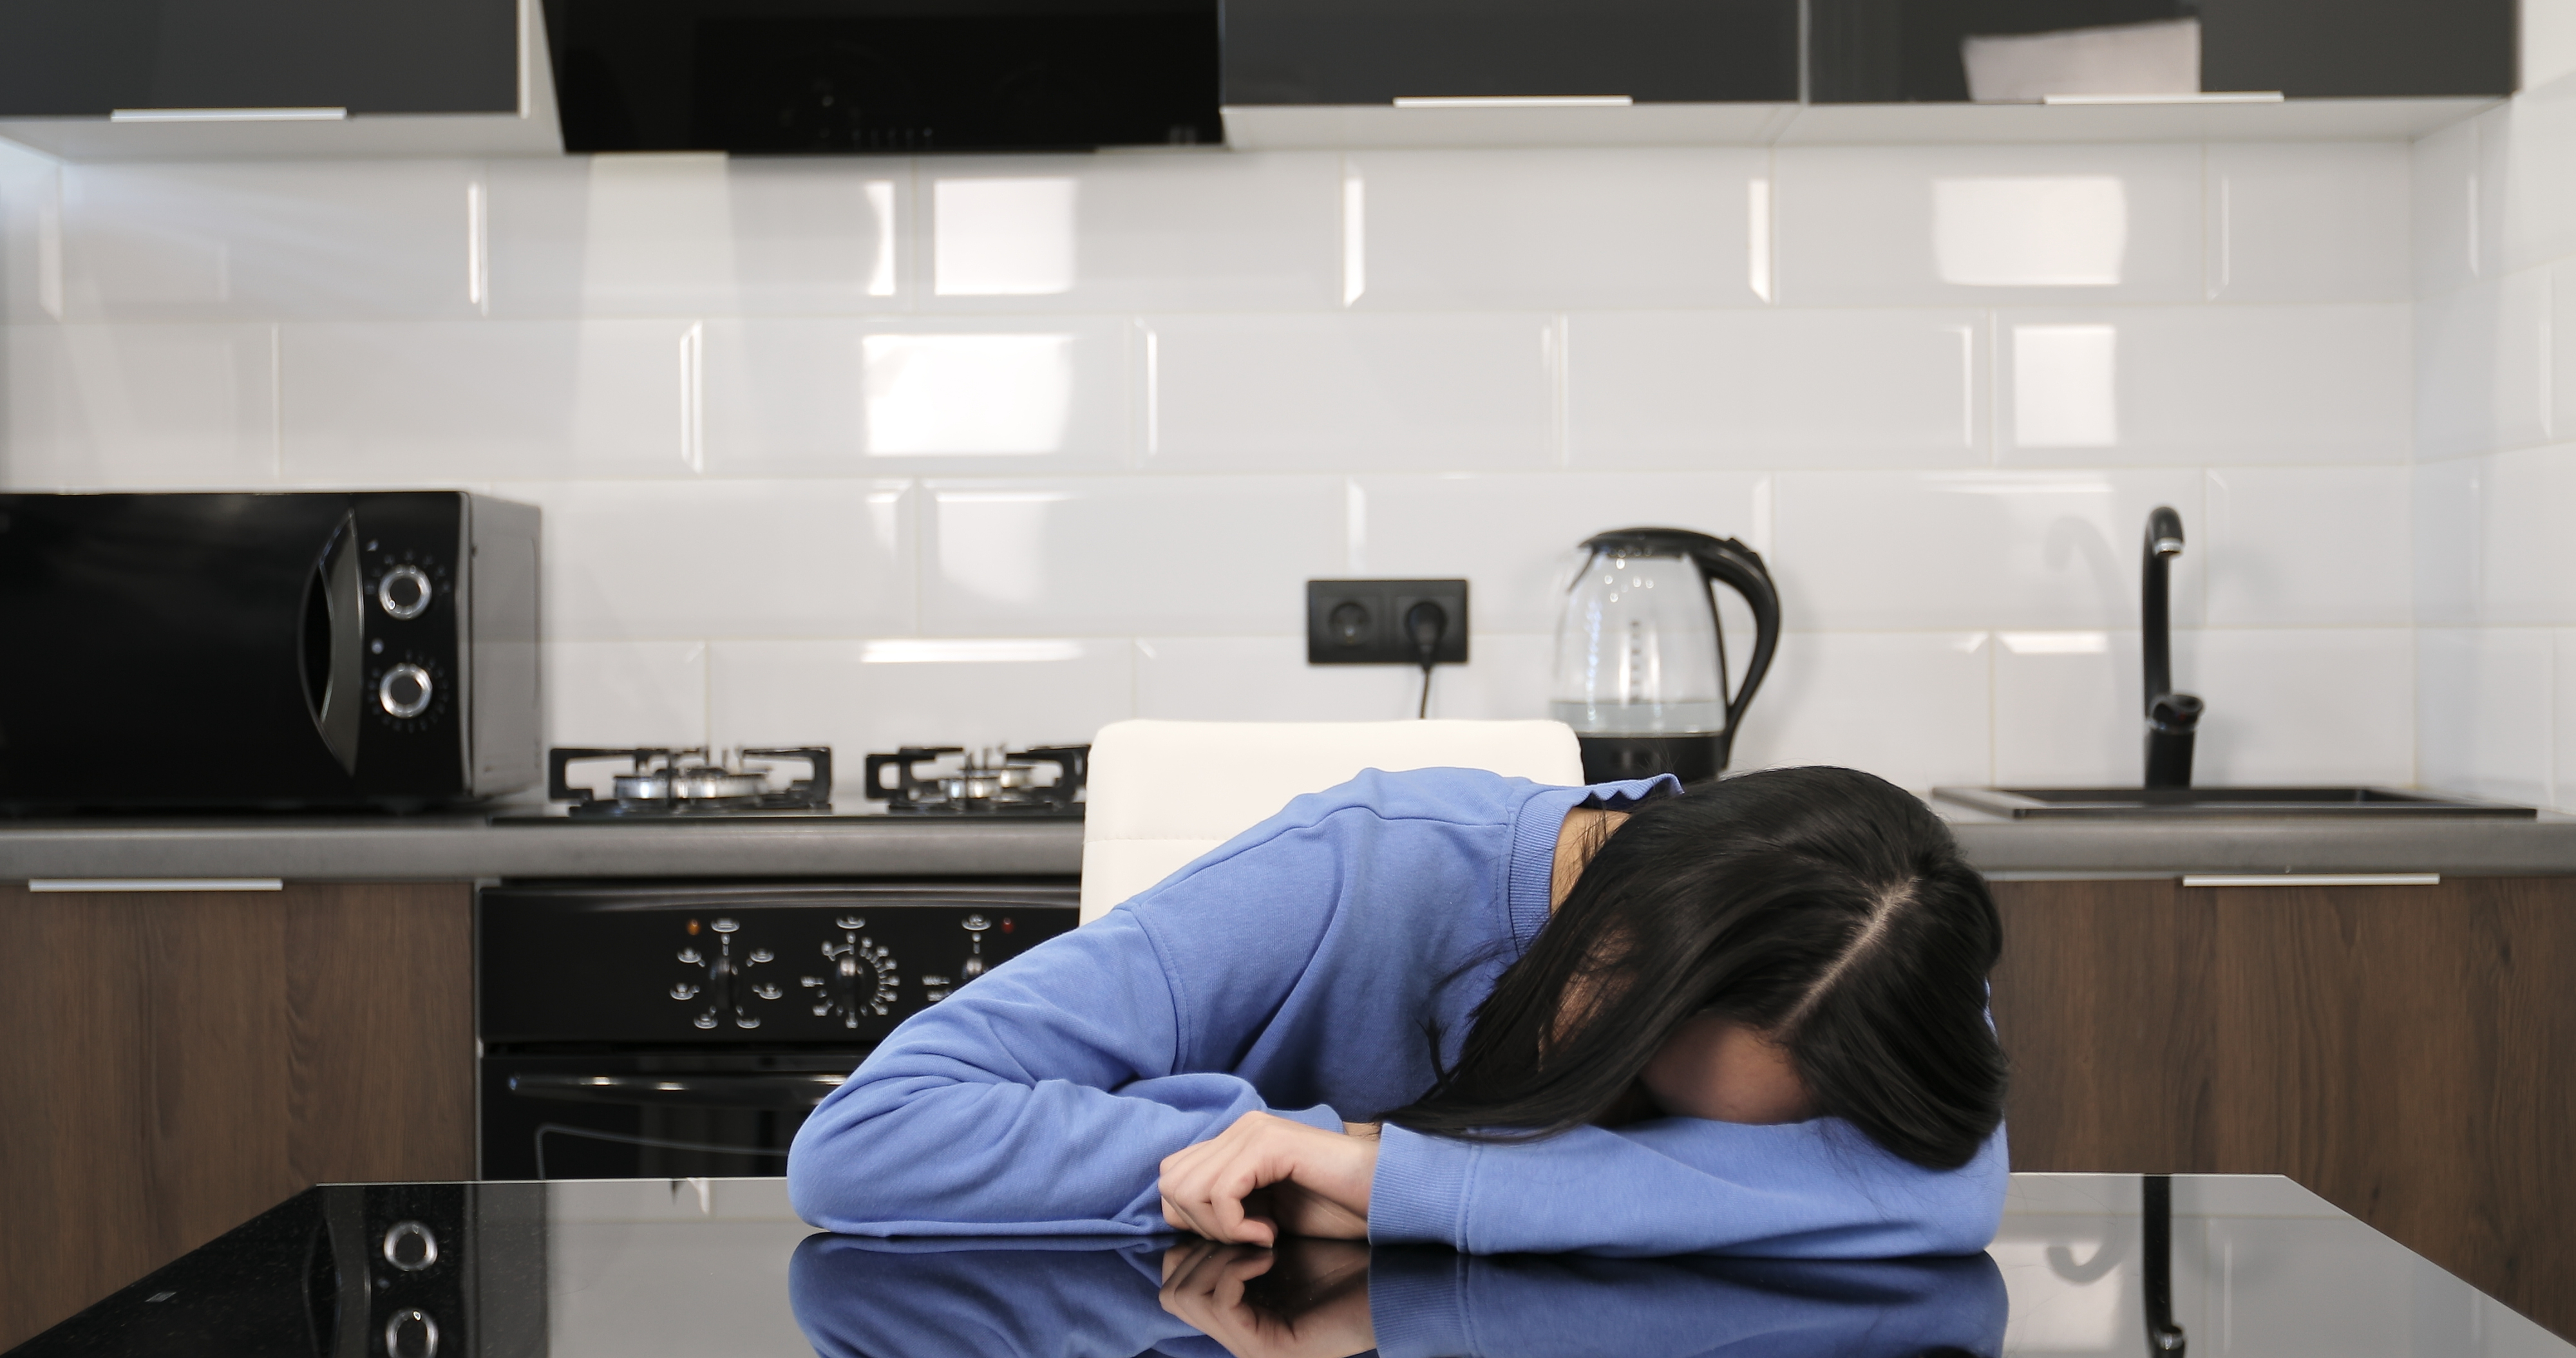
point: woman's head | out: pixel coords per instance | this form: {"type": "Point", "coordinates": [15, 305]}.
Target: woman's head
{"type": "Point", "coordinates": [1796, 942]}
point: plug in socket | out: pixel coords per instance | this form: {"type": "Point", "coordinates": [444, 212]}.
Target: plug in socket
{"type": "Point", "coordinates": [1361, 622]}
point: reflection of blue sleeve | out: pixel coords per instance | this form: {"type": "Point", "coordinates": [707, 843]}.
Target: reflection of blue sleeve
{"type": "Point", "coordinates": [953, 1298]}
{"type": "Point", "coordinates": [1427, 1303]}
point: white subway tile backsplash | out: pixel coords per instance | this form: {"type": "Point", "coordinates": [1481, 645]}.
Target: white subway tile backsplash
{"type": "Point", "coordinates": [1506, 678]}
{"type": "Point", "coordinates": [2034, 225]}
{"type": "Point", "coordinates": [664, 235]}
{"type": "Point", "coordinates": [1161, 391]}
{"type": "Point", "coordinates": [2548, 41]}
{"type": "Point", "coordinates": [2294, 546]}
{"type": "Point", "coordinates": [317, 240]}
{"type": "Point", "coordinates": [2309, 222]}
{"type": "Point", "coordinates": [1268, 679]}
{"type": "Point", "coordinates": [1295, 393]}
{"type": "Point", "coordinates": [862, 696]}
{"type": "Point", "coordinates": [1910, 707]}
{"type": "Point", "coordinates": [2530, 143]}
{"type": "Point", "coordinates": [2482, 367]}
{"type": "Point", "coordinates": [2068, 706]}
{"type": "Point", "coordinates": [137, 406]}
{"type": "Point", "coordinates": [1224, 556]}
{"type": "Point", "coordinates": [1887, 551]}
{"type": "Point", "coordinates": [687, 560]}
{"type": "Point", "coordinates": [2561, 345]}
{"type": "Point", "coordinates": [1769, 388]}
{"type": "Point", "coordinates": [1663, 227]}
{"type": "Point", "coordinates": [831, 397]}
{"type": "Point", "coordinates": [31, 236]}
{"type": "Point", "coordinates": [2447, 500]}
{"type": "Point", "coordinates": [2526, 553]}
{"type": "Point", "coordinates": [378, 404]}
{"type": "Point", "coordinates": [625, 693]}
{"type": "Point", "coordinates": [2123, 386]}
{"type": "Point", "coordinates": [1513, 538]}
{"type": "Point", "coordinates": [2454, 242]}
{"type": "Point", "coordinates": [2305, 705]}
{"type": "Point", "coordinates": [1193, 231]}
{"type": "Point", "coordinates": [2562, 720]}
{"type": "Point", "coordinates": [2285, 706]}
{"type": "Point", "coordinates": [2483, 704]}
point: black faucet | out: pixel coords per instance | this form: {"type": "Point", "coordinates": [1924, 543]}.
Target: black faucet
{"type": "Point", "coordinates": [2172, 717]}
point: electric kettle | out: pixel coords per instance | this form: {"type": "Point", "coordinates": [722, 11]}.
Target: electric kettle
{"type": "Point", "coordinates": [1641, 657]}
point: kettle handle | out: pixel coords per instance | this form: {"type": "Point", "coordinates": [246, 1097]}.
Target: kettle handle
{"type": "Point", "coordinates": [1741, 568]}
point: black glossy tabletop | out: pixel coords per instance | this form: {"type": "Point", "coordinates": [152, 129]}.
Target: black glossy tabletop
{"type": "Point", "coordinates": [640, 1268]}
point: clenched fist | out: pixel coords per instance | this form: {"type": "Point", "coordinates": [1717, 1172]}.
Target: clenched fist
{"type": "Point", "coordinates": [1265, 1177]}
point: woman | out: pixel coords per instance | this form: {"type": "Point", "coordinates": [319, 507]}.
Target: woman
{"type": "Point", "coordinates": [1611, 1018]}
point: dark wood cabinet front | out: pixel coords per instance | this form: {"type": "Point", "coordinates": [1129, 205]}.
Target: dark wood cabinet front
{"type": "Point", "coordinates": [367, 56]}
{"type": "Point", "coordinates": [1905, 51]}
{"type": "Point", "coordinates": [2405, 1052]}
{"type": "Point", "coordinates": [1377, 51]}
{"type": "Point", "coordinates": [178, 1062]}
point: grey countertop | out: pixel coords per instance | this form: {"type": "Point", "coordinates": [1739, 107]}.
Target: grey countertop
{"type": "Point", "coordinates": [457, 848]}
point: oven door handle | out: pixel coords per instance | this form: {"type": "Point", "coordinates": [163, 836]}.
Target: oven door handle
{"type": "Point", "coordinates": [789, 1091]}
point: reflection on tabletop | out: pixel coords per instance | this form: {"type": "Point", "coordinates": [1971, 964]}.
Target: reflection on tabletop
{"type": "Point", "coordinates": [860, 1298]}
{"type": "Point", "coordinates": [2253, 1267]}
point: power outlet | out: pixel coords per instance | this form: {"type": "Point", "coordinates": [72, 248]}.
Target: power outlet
{"type": "Point", "coordinates": [1361, 622]}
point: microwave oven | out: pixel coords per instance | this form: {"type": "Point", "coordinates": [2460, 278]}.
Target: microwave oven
{"type": "Point", "coordinates": [275, 651]}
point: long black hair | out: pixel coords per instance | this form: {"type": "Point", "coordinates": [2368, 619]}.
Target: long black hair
{"type": "Point", "coordinates": [1825, 908]}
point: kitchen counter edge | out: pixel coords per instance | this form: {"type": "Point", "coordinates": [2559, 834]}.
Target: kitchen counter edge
{"type": "Point", "coordinates": [466, 848]}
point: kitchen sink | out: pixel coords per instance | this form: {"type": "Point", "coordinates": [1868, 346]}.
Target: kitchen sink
{"type": "Point", "coordinates": [2197, 803]}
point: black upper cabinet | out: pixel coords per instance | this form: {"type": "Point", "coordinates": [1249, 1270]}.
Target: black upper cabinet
{"type": "Point", "coordinates": [785, 77]}
{"type": "Point", "coordinates": [1376, 51]}
{"type": "Point", "coordinates": [88, 58]}
{"type": "Point", "coordinates": [1898, 51]}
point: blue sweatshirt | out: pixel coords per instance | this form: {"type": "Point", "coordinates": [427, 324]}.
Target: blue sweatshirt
{"type": "Point", "coordinates": [1301, 969]}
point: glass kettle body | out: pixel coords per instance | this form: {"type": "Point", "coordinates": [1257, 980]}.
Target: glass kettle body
{"type": "Point", "coordinates": [1641, 657]}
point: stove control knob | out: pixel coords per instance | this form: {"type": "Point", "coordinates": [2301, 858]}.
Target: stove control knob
{"type": "Point", "coordinates": [405, 691]}
{"type": "Point", "coordinates": [404, 592]}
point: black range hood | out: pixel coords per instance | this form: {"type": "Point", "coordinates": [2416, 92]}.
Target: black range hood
{"type": "Point", "coordinates": [806, 77]}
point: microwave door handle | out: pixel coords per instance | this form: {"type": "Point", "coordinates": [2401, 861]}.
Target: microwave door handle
{"type": "Point", "coordinates": [333, 594]}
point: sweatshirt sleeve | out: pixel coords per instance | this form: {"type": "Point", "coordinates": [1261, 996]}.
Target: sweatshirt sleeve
{"type": "Point", "coordinates": [950, 1128]}
{"type": "Point", "coordinates": [1815, 1190]}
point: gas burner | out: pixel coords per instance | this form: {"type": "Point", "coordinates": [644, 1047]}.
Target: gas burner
{"type": "Point", "coordinates": [667, 782]}
{"type": "Point", "coordinates": [996, 782]}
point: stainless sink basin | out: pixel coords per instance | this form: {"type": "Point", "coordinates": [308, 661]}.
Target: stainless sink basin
{"type": "Point", "coordinates": [2196, 803]}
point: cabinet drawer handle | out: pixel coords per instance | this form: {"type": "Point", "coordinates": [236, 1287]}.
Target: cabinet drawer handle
{"type": "Point", "coordinates": [156, 884]}
{"type": "Point", "coordinates": [1514, 101]}
{"type": "Point", "coordinates": [228, 115]}
{"type": "Point", "coordinates": [2314, 879]}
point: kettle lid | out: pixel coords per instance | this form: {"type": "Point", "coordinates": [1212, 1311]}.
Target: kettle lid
{"type": "Point", "coordinates": [1632, 542]}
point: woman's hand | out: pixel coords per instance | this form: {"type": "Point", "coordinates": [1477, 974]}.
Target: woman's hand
{"type": "Point", "coordinates": [1266, 1176]}
{"type": "Point", "coordinates": [1310, 1302]}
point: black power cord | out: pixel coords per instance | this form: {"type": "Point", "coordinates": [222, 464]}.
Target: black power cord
{"type": "Point", "coordinates": [1426, 622]}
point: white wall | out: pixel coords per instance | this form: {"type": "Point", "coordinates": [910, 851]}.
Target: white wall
{"type": "Point", "coordinates": [2495, 480]}
{"type": "Point", "coordinates": [870, 451]}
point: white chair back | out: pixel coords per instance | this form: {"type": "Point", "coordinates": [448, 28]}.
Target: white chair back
{"type": "Point", "coordinates": [1164, 792]}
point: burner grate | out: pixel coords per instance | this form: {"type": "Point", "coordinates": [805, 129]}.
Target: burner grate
{"type": "Point", "coordinates": [664, 782]}
{"type": "Point", "coordinates": [999, 783]}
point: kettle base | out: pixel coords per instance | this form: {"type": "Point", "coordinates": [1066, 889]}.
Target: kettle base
{"type": "Point", "coordinates": [1692, 759]}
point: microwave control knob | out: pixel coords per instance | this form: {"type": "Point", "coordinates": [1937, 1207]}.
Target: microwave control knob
{"type": "Point", "coordinates": [404, 592]}
{"type": "Point", "coordinates": [404, 691]}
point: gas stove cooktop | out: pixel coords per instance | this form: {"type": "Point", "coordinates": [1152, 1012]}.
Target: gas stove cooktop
{"type": "Point", "coordinates": [671, 783]}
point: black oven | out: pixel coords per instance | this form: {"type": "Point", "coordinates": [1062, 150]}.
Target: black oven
{"type": "Point", "coordinates": [669, 1030]}
{"type": "Point", "coordinates": [269, 650]}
